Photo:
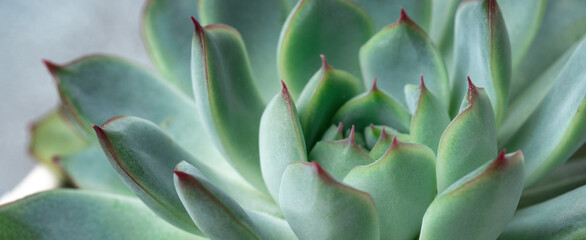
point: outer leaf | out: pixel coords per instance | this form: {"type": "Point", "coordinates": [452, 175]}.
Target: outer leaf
{"type": "Point", "coordinates": [167, 34]}
{"type": "Point", "coordinates": [468, 141]}
{"type": "Point", "coordinates": [259, 22]}
{"type": "Point", "coordinates": [49, 215]}
{"type": "Point", "coordinates": [325, 92]}
{"type": "Point", "coordinates": [227, 98]}
{"type": "Point", "coordinates": [319, 207]}
{"type": "Point", "coordinates": [398, 55]}
{"type": "Point", "coordinates": [335, 28]}
{"type": "Point", "coordinates": [339, 157]}
{"type": "Point", "coordinates": [549, 139]}
{"type": "Point", "coordinates": [441, 30]}
{"type": "Point", "coordinates": [89, 169]}
{"type": "Point", "coordinates": [563, 217]}
{"type": "Point", "coordinates": [281, 140]}
{"type": "Point", "coordinates": [483, 53]}
{"type": "Point", "coordinates": [479, 205]}
{"type": "Point", "coordinates": [563, 25]}
{"type": "Point", "coordinates": [373, 107]}
{"type": "Point", "coordinates": [383, 11]}
{"type": "Point", "coordinates": [402, 184]}
{"type": "Point", "coordinates": [430, 119]}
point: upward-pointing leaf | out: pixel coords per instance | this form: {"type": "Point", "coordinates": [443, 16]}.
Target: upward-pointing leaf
{"type": "Point", "coordinates": [384, 11]}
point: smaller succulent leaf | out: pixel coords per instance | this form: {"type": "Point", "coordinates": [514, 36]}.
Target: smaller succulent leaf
{"type": "Point", "coordinates": [402, 184]}
{"type": "Point", "coordinates": [49, 215]}
{"type": "Point", "coordinates": [373, 107]}
{"type": "Point", "coordinates": [468, 141]}
{"type": "Point", "coordinates": [563, 217]}
{"type": "Point", "coordinates": [319, 207]}
{"type": "Point", "coordinates": [334, 133]}
{"type": "Point", "coordinates": [479, 205]}
{"type": "Point", "coordinates": [372, 134]}
{"type": "Point", "coordinates": [281, 140]}
{"type": "Point", "coordinates": [483, 53]}
{"type": "Point", "coordinates": [564, 179]}
{"type": "Point", "coordinates": [89, 169]}
{"type": "Point", "coordinates": [339, 157]}
{"type": "Point", "coordinates": [398, 55]}
{"type": "Point", "coordinates": [227, 97]}
{"type": "Point", "coordinates": [383, 12]}
{"type": "Point", "coordinates": [325, 92]}
{"type": "Point", "coordinates": [334, 28]}
{"type": "Point", "coordinates": [382, 145]}
{"type": "Point", "coordinates": [259, 22]}
{"type": "Point", "coordinates": [556, 129]}
{"type": "Point", "coordinates": [429, 120]}
{"type": "Point", "coordinates": [167, 35]}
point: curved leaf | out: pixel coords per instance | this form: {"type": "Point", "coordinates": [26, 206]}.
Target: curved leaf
{"type": "Point", "coordinates": [259, 22]}
{"type": "Point", "coordinates": [483, 53]}
{"type": "Point", "coordinates": [334, 28]}
{"type": "Point", "coordinates": [280, 140]}
{"type": "Point", "coordinates": [325, 92]}
{"type": "Point", "coordinates": [382, 145]}
{"type": "Point", "coordinates": [49, 215]}
{"type": "Point", "coordinates": [479, 205]}
{"type": "Point", "coordinates": [398, 55]}
{"type": "Point", "coordinates": [441, 29]}
{"type": "Point", "coordinates": [334, 133]}
{"type": "Point", "coordinates": [402, 184]}
{"type": "Point", "coordinates": [429, 120]}
{"type": "Point", "coordinates": [384, 11]}
{"type": "Point", "coordinates": [167, 35]}
{"type": "Point", "coordinates": [468, 141]}
{"type": "Point", "coordinates": [319, 207]}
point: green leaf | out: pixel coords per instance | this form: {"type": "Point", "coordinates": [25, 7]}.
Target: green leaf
{"type": "Point", "coordinates": [372, 134]}
{"type": "Point", "coordinates": [167, 35]}
{"type": "Point", "coordinates": [374, 107]}
{"type": "Point", "coordinates": [227, 98]}
{"type": "Point", "coordinates": [479, 205]}
{"type": "Point", "coordinates": [334, 133]}
{"type": "Point", "coordinates": [441, 29]}
{"type": "Point", "coordinates": [384, 11]}
{"type": "Point", "coordinates": [319, 207]}
{"type": "Point", "coordinates": [325, 92]}
{"type": "Point", "coordinates": [96, 88]}
{"type": "Point", "coordinates": [556, 129]}
{"type": "Point", "coordinates": [398, 55]}
{"type": "Point", "coordinates": [483, 53]}
{"type": "Point", "coordinates": [429, 120]}
{"type": "Point", "coordinates": [469, 141]}
{"type": "Point", "coordinates": [259, 22]}
{"type": "Point", "coordinates": [90, 169]}
{"type": "Point", "coordinates": [563, 217]}
{"type": "Point", "coordinates": [50, 215]}
{"type": "Point", "coordinates": [563, 25]}
{"type": "Point", "coordinates": [382, 145]}
{"type": "Point", "coordinates": [339, 157]}
{"type": "Point", "coordinates": [280, 140]}
{"type": "Point", "coordinates": [567, 177]}
{"type": "Point", "coordinates": [334, 28]}
{"type": "Point", "coordinates": [402, 184]}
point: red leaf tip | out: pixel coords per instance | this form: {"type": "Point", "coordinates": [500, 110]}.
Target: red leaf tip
{"type": "Point", "coordinates": [285, 92]}
{"type": "Point", "coordinates": [180, 174]}
{"type": "Point", "coordinates": [422, 83]}
{"type": "Point", "coordinates": [340, 128]}
{"type": "Point", "coordinates": [403, 15]}
{"type": "Point", "coordinates": [50, 66]}
{"type": "Point", "coordinates": [318, 168]}
{"type": "Point", "coordinates": [384, 134]}
{"type": "Point", "coordinates": [198, 27]}
{"type": "Point", "coordinates": [501, 156]}
{"type": "Point", "coordinates": [374, 85]}
{"type": "Point", "coordinates": [351, 137]}
{"type": "Point", "coordinates": [324, 62]}
{"type": "Point", "coordinates": [395, 141]}
{"type": "Point", "coordinates": [471, 85]}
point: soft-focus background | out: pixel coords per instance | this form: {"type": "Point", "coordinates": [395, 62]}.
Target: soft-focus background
{"type": "Point", "coordinates": [59, 31]}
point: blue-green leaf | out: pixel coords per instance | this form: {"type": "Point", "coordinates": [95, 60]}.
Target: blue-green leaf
{"type": "Point", "coordinates": [429, 120]}
{"type": "Point", "coordinates": [384, 11]}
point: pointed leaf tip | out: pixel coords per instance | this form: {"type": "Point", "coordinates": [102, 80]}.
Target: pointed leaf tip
{"type": "Point", "coordinates": [403, 16]}
{"type": "Point", "coordinates": [374, 86]}
{"type": "Point", "coordinates": [180, 174]}
{"type": "Point", "coordinates": [394, 143]}
{"type": "Point", "coordinates": [422, 83]}
{"type": "Point", "coordinates": [384, 134]}
{"type": "Point", "coordinates": [324, 62]}
{"type": "Point", "coordinates": [471, 85]}
{"type": "Point", "coordinates": [198, 27]}
{"type": "Point", "coordinates": [351, 137]}
{"type": "Point", "coordinates": [340, 127]}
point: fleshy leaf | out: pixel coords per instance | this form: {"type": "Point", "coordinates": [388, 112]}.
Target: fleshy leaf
{"type": "Point", "coordinates": [483, 53]}
{"type": "Point", "coordinates": [374, 107]}
{"type": "Point", "coordinates": [383, 11]}
{"type": "Point", "coordinates": [469, 141]}
{"type": "Point", "coordinates": [402, 184]}
{"type": "Point", "coordinates": [563, 217]}
{"type": "Point", "coordinates": [382, 145]}
{"type": "Point", "coordinates": [398, 55]}
{"type": "Point", "coordinates": [479, 205]}
{"type": "Point", "coordinates": [334, 133]}
{"type": "Point", "coordinates": [89, 169]}
{"type": "Point", "coordinates": [280, 140]}
{"type": "Point", "coordinates": [49, 215]}
{"type": "Point", "coordinates": [556, 129]}
{"type": "Point", "coordinates": [319, 207]}
{"type": "Point", "coordinates": [429, 120]}
{"type": "Point", "coordinates": [325, 92]}
{"type": "Point", "coordinates": [563, 25]}
{"type": "Point", "coordinates": [441, 29]}
{"type": "Point", "coordinates": [339, 157]}
{"type": "Point", "coordinates": [259, 22]}
{"type": "Point", "coordinates": [334, 28]}
{"type": "Point", "coordinates": [167, 34]}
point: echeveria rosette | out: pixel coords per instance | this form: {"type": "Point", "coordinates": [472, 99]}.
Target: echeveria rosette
{"type": "Point", "coordinates": [395, 136]}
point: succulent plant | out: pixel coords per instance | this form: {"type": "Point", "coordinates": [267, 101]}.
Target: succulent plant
{"type": "Point", "coordinates": [411, 151]}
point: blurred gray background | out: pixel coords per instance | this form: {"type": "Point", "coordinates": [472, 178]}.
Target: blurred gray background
{"type": "Point", "coordinates": [59, 31]}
